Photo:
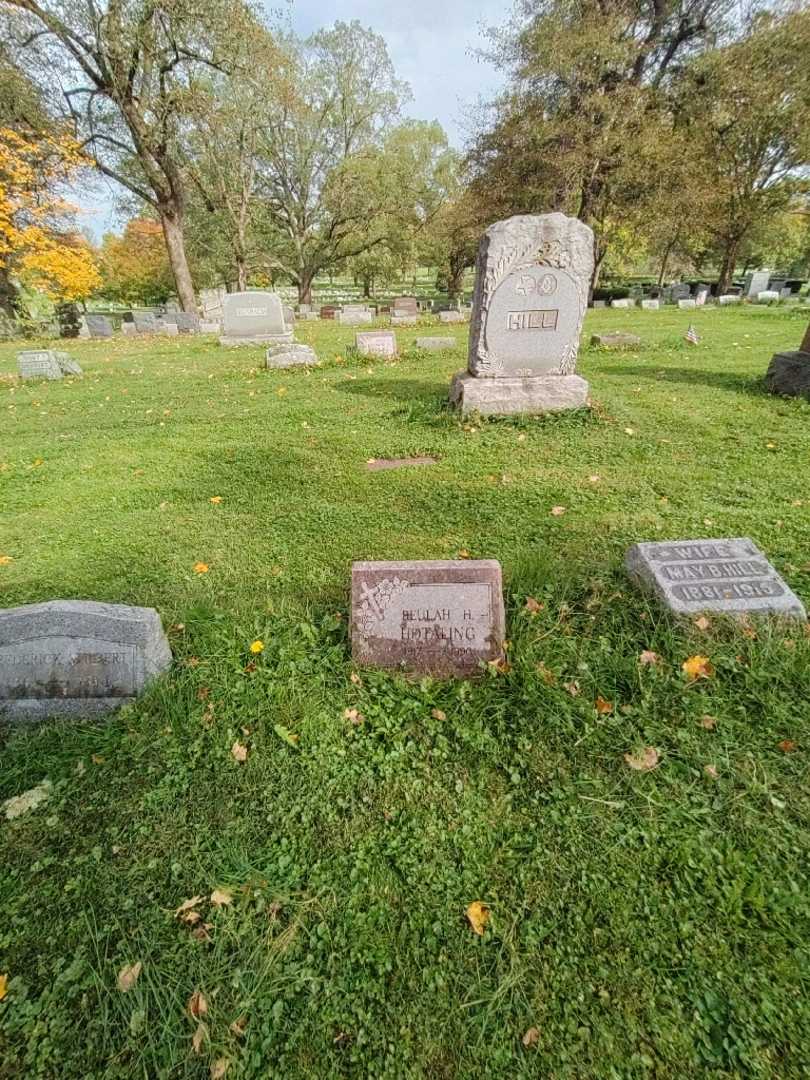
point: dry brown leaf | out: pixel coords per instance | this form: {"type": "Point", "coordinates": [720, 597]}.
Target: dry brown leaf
{"type": "Point", "coordinates": [355, 678]}
{"type": "Point", "coordinates": [478, 916]}
{"type": "Point", "coordinates": [464, 554]}
{"type": "Point", "coordinates": [572, 688]}
{"type": "Point", "coordinates": [128, 976]}
{"type": "Point", "coordinates": [533, 606]}
{"type": "Point", "coordinates": [708, 722]}
{"type": "Point", "coordinates": [219, 1068]}
{"type": "Point", "coordinates": [557, 511]}
{"type": "Point", "coordinates": [200, 933]}
{"type": "Point", "coordinates": [649, 657]}
{"type": "Point", "coordinates": [703, 623]}
{"type": "Point", "coordinates": [603, 706]}
{"type": "Point", "coordinates": [644, 760]}
{"type": "Point", "coordinates": [237, 1028]}
{"type": "Point", "coordinates": [198, 1038]}
{"type": "Point", "coordinates": [546, 674]}
{"type": "Point", "coordinates": [239, 751]}
{"type": "Point", "coordinates": [197, 1005]}
{"type": "Point", "coordinates": [354, 716]}
{"type": "Point", "coordinates": [711, 771]}
{"type": "Point", "coordinates": [187, 905]}
{"type": "Point", "coordinates": [531, 1037]}
{"type": "Point", "coordinates": [221, 897]}
{"type": "Point", "coordinates": [787, 746]}
{"type": "Point", "coordinates": [437, 714]}
{"type": "Point", "coordinates": [698, 667]}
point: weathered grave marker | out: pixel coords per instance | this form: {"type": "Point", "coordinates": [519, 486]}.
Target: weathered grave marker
{"type": "Point", "coordinates": [723, 576]}
{"type": "Point", "coordinates": [687, 305]}
{"type": "Point", "coordinates": [99, 326]}
{"type": "Point", "coordinates": [440, 618]}
{"type": "Point", "coordinates": [757, 282]}
{"type": "Point", "coordinates": [616, 340]}
{"type": "Point", "coordinates": [187, 322]}
{"type": "Point", "coordinates": [531, 292]}
{"type": "Point", "coordinates": [284, 356]}
{"type": "Point", "coordinates": [38, 364]}
{"type": "Point", "coordinates": [145, 322]}
{"type": "Point", "coordinates": [355, 315]}
{"type": "Point", "coordinates": [77, 657]}
{"type": "Point", "coordinates": [376, 343]}
{"type": "Point", "coordinates": [381, 464]}
{"type": "Point", "coordinates": [254, 318]}
{"type": "Point", "coordinates": [789, 372]}
{"type": "Point", "coordinates": [651, 305]}
{"type": "Point", "coordinates": [435, 344]}
{"type": "Point", "coordinates": [451, 317]}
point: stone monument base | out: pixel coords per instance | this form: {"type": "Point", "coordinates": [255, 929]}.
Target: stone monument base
{"type": "Point", "coordinates": [258, 339]}
{"type": "Point", "coordinates": [284, 356]}
{"type": "Point", "coordinates": [506, 396]}
{"type": "Point", "coordinates": [789, 374]}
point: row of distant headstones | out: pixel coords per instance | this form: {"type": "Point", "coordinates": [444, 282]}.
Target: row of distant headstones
{"type": "Point", "coordinates": [446, 619]}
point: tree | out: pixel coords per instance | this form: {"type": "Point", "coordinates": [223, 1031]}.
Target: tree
{"type": "Point", "coordinates": [320, 164]}
{"type": "Point", "coordinates": [577, 128]}
{"type": "Point", "coordinates": [129, 70]}
{"type": "Point", "coordinates": [39, 243]}
{"type": "Point", "coordinates": [746, 109]}
{"type": "Point", "coordinates": [134, 266]}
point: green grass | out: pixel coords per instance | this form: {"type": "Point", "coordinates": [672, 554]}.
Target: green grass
{"type": "Point", "coordinates": [647, 924]}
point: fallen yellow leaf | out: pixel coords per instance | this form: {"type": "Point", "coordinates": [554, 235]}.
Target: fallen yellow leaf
{"type": "Point", "coordinates": [5, 560]}
{"type": "Point", "coordinates": [702, 623]}
{"type": "Point", "coordinates": [187, 905]}
{"type": "Point", "coordinates": [698, 667]}
{"type": "Point", "coordinates": [531, 1037]}
{"type": "Point", "coordinates": [644, 760]}
{"type": "Point", "coordinates": [603, 706]}
{"type": "Point", "coordinates": [221, 897]}
{"type": "Point", "coordinates": [219, 1068]}
{"type": "Point", "coordinates": [128, 976]}
{"type": "Point", "coordinates": [437, 714]}
{"type": "Point", "coordinates": [201, 568]}
{"type": "Point", "coordinates": [478, 916]}
{"type": "Point", "coordinates": [239, 751]}
{"type": "Point", "coordinates": [198, 1038]}
{"type": "Point", "coordinates": [3, 986]}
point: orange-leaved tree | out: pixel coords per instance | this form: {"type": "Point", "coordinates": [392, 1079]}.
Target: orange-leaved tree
{"type": "Point", "coordinates": [135, 266]}
{"type": "Point", "coordinates": [39, 244]}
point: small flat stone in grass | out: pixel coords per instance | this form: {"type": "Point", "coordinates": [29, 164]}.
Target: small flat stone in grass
{"type": "Point", "coordinates": [616, 340]}
{"type": "Point", "coordinates": [284, 356]}
{"type": "Point", "coordinates": [441, 618]}
{"type": "Point", "coordinates": [376, 343]}
{"type": "Point", "coordinates": [435, 344]}
{"type": "Point", "coordinates": [378, 464]}
{"type": "Point", "coordinates": [727, 576]}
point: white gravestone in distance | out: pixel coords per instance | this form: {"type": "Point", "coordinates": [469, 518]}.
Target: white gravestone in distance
{"type": "Point", "coordinates": [651, 305]}
{"type": "Point", "coordinates": [760, 279]}
{"type": "Point", "coordinates": [254, 318]}
{"type": "Point", "coordinates": [435, 617]}
{"type": "Point", "coordinates": [730, 577]}
{"type": "Point", "coordinates": [533, 274]}
{"type": "Point", "coordinates": [767, 296]}
{"type": "Point", "coordinates": [77, 657]}
{"type": "Point", "coordinates": [376, 343]}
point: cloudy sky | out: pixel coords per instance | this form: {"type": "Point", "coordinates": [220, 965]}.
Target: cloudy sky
{"type": "Point", "coordinates": [431, 42]}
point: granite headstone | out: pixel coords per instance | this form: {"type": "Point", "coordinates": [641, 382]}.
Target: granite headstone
{"type": "Point", "coordinates": [376, 343]}
{"type": "Point", "coordinates": [254, 318]}
{"type": "Point", "coordinates": [99, 326]}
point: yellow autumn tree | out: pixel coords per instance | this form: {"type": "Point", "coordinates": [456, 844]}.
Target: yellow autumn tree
{"type": "Point", "coordinates": [39, 244]}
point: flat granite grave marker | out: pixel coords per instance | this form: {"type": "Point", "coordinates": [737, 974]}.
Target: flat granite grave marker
{"type": "Point", "coordinates": [451, 317]}
{"type": "Point", "coordinates": [38, 364]}
{"type": "Point", "coordinates": [77, 657]}
{"type": "Point", "coordinates": [405, 305]}
{"type": "Point", "coordinates": [187, 322]}
{"type": "Point", "coordinates": [533, 274]}
{"type": "Point", "coordinates": [145, 322]}
{"type": "Point", "coordinates": [687, 305]}
{"type": "Point", "coordinates": [440, 618]}
{"type": "Point", "coordinates": [651, 305]}
{"type": "Point", "coordinates": [284, 356]}
{"type": "Point", "coordinates": [99, 326]}
{"type": "Point", "coordinates": [376, 343]}
{"type": "Point", "coordinates": [728, 576]}
{"type": "Point", "coordinates": [616, 340]}
{"type": "Point", "coordinates": [435, 344]}
{"type": "Point", "coordinates": [254, 318]}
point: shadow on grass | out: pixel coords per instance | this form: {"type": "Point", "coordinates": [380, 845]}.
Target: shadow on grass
{"type": "Point", "coordinates": [721, 380]}
{"type": "Point", "coordinates": [405, 390]}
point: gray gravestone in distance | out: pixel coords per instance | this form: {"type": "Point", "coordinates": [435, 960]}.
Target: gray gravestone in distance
{"type": "Point", "coordinates": [533, 274]}
{"type": "Point", "coordinates": [145, 322]}
{"type": "Point", "coordinates": [679, 291]}
{"type": "Point", "coordinates": [187, 322]}
{"type": "Point", "coordinates": [404, 320]}
{"type": "Point", "coordinates": [729, 577]}
{"type": "Point", "coordinates": [99, 326]}
{"type": "Point", "coordinates": [67, 365]}
{"type": "Point", "coordinates": [38, 364]}
{"type": "Point", "coordinates": [405, 306]}
{"type": "Point", "coordinates": [439, 618]}
{"type": "Point", "coordinates": [758, 283]}
{"type": "Point", "coordinates": [77, 657]}
{"type": "Point", "coordinates": [355, 315]}
{"type": "Point", "coordinates": [789, 372]}
{"type": "Point", "coordinates": [254, 318]}
{"type": "Point", "coordinates": [284, 356]}
{"type": "Point", "coordinates": [435, 344]}
{"type": "Point", "coordinates": [451, 317]}
{"type": "Point", "coordinates": [729, 298]}
{"type": "Point", "coordinates": [128, 328]}
{"type": "Point", "coordinates": [376, 343]}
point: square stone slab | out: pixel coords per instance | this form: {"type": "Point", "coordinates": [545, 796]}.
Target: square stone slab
{"type": "Point", "coordinates": [77, 657]}
{"type": "Point", "coordinates": [507, 397]}
{"type": "Point", "coordinates": [38, 364]}
{"type": "Point", "coordinates": [439, 617]}
{"type": "Point", "coordinates": [616, 340]}
{"type": "Point", "coordinates": [376, 343]}
{"type": "Point", "coordinates": [730, 577]}
{"type": "Point", "coordinates": [284, 356]}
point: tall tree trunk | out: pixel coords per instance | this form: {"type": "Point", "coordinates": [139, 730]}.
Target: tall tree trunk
{"type": "Point", "coordinates": [172, 221]}
{"type": "Point", "coordinates": [729, 262]}
{"type": "Point", "coordinates": [806, 342]}
{"type": "Point", "coordinates": [665, 260]}
{"type": "Point", "coordinates": [599, 256]}
{"type": "Point", "coordinates": [367, 287]}
{"type": "Point", "coordinates": [241, 272]}
{"type": "Point", "coordinates": [455, 278]}
{"type": "Point", "coordinates": [305, 279]}
{"type": "Point", "coordinates": [9, 299]}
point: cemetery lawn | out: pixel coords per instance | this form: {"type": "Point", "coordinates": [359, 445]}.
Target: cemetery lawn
{"type": "Point", "coordinates": [643, 923]}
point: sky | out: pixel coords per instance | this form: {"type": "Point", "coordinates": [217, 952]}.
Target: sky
{"type": "Point", "coordinates": [431, 43]}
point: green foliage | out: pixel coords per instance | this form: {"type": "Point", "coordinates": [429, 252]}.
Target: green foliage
{"type": "Point", "coordinates": [645, 924]}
